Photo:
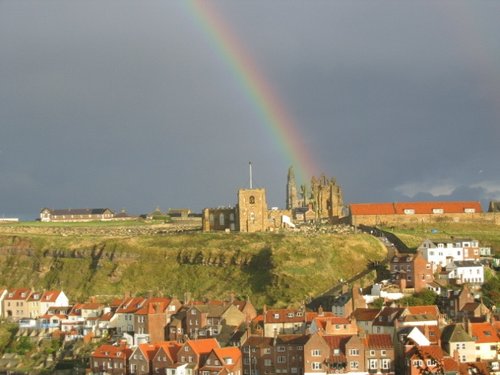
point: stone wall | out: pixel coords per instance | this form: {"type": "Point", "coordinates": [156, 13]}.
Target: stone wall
{"type": "Point", "coordinates": [373, 220]}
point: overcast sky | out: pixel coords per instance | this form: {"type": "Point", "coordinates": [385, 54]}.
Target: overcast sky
{"type": "Point", "coordinates": [126, 104]}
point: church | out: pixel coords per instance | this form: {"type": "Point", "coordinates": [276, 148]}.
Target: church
{"type": "Point", "coordinates": [322, 202]}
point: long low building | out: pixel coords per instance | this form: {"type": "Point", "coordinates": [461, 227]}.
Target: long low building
{"type": "Point", "coordinates": [76, 214]}
{"type": "Point", "coordinates": [416, 212]}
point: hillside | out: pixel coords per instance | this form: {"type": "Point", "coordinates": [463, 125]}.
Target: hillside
{"type": "Point", "coordinates": [277, 269]}
{"type": "Point", "coordinates": [413, 235]}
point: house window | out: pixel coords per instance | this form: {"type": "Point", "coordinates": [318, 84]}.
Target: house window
{"type": "Point", "coordinates": [267, 362]}
{"type": "Point", "coordinates": [251, 200]}
{"type": "Point", "coordinates": [276, 316]}
{"type": "Point", "coordinates": [437, 211]}
{"type": "Point", "coordinates": [280, 349]}
{"type": "Point", "coordinates": [316, 365]}
{"type": "Point", "coordinates": [267, 350]}
{"type": "Point", "coordinates": [373, 364]}
{"type": "Point", "coordinates": [221, 219]}
{"type": "Point", "coordinates": [409, 211]}
{"type": "Point", "coordinates": [354, 351]}
{"type": "Point", "coordinates": [315, 352]}
{"type": "Point", "coordinates": [386, 364]}
{"type": "Point", "coordinates": [469, 210]}
{"type": "Point", "coordinates": [354, 364]}
{"type": "Point", "coordinates": [372, 353]}
{"type": "Point", "coordinates": [281, 359]}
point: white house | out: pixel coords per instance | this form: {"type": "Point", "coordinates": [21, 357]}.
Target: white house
{"type": "Point", "coordinates": [437, 252]}
{"type": "Point", "coordinates": [466, 271]}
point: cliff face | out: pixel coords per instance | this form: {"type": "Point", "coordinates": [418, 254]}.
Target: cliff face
{"type": "Point", "coordinates": [271, 268]}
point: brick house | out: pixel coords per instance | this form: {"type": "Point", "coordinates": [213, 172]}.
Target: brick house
{"type": "Point", "coordinates": [222, 361]}
{"type": "Point", "coordinates": [165, 357]}
{"type": "Point", "coordinates": [373, 353]}
{"type": "Point", "coordinates": [208, 320]}
{"type": "Point", "coordinates": [193, 354]}
{"type": "Point", "coordinates": [153, 316]}
{"type": "Point", "coordinates": [453, 304]}
{"type": "Point", "coordinates": [316, 355]}
{"type": "Point", "coordinates": [284, 321]}
{"type": "Point", "coordinates": [364, 318]}
{"type": "Point", "coordinates": [337, 362]}
{"type": "Point", "coordinates": [349, 300]}
{"type": "Point", "coordinates": [387, 319]}
{"type": "Point", "coordinates": [140, 362]}
{"type": "Point", "coordinates": [333, 325]}
{"type": "Point", "coordinates": [412, 271]}
{"type": "Point", "coordinates": [110, 359]}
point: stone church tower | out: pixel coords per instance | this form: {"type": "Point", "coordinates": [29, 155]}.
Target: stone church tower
{"type": "Point", "coordinates": [252, 210]}
{"type": "Point", "coordinates": [292, 200]}
{"type": "Point", "coordinates": [327, 198]}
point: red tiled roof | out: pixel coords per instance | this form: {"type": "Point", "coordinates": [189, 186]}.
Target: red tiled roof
{"type": "Point", "coordinates": [17, 294]}
{"type": "Point", "coordinates": [170, 348]}
{"type": "Point", "coordinates": [149, 306]}
{"type": "Point", "coordinates": [337, 342]}
{"type": "Point", "coordinates": [450, 364]}
{"type": "Point", "coordinates": [377, 341]}
{"type": "Point", "coordinates": [484, 333]}
{"type": "Point", "coordinates": [372, 209]}
{"type": "Point", "coordinates": [202, 346]}
{"type": "Point", "coordinates": [91, 306]}
{"type": "Point", "coordinates": [228, 352]}
{"type": "Point", "coordinates": [420, 310]}
{"type": "Point", "coordinates": [50, 296]}
{"type": "Point", "coordinates": [364, 314]}
{"type": "Point", "coordinates": [285, 316]}
{"type": "Point", "coordinates": [430, 351]}
{"type": "Point", "coordinates": [259, 342]}
{"type": "Point", "coordinates": [399, 208]}
{"type": "Point", "coordinates": [106, 317]}
{"type": "Point", "coordinates": [427, 207]}
{"type": "Point", "coordinates": [111, 351]}
{"type": "Point", "coordinates": [131, 305]}
{"type": "Point", "coordinates": [148, 350]}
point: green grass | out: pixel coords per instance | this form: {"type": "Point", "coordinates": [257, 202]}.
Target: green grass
{"type": "Point", "coordinates": [275, 269]}
{"type": "Point", "coordinates": [413, 235]}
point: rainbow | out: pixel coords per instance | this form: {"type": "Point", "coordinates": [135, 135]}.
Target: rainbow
{"type": "Point", "coordinates": [271, 110]}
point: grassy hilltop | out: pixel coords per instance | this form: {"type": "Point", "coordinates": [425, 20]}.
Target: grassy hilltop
{"type": "Point", "coordinates": [84, 260]}
{"type": "Point", "coordinates": [413, 234]}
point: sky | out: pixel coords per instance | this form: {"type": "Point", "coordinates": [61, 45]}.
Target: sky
{"type": "Point", "coordinates": [139, 104]}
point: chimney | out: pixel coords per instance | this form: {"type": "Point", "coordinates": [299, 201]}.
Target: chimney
{"type": "Point", "coordinates": [456, 356]}
{"type": "Point", "coordinates": [187, 298]}
{"type": "Point", "coordinates": [264, 312]}
{"type": "Point", "coordinates": [231, 297]}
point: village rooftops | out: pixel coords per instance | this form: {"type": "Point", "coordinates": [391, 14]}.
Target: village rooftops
{"type": "Point", "coordinates": [455, 333]}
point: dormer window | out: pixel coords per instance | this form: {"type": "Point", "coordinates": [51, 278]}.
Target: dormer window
{"type": "Point", "coordinates": [290, 314]}
{"type": "Point", "coordinates": [409, 211]}
{"type": "Point", "coordinates": [299, 313]}
{"type": "Point", "coordinates": [437, 211]}
{"type": "Point", "coordinates": [469, 210]}
{"type": "Point", "coordinates": [276, 316]}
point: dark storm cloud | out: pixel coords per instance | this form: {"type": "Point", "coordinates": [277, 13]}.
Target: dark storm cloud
{"type": "Point", "coordinates": [127, 104]}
